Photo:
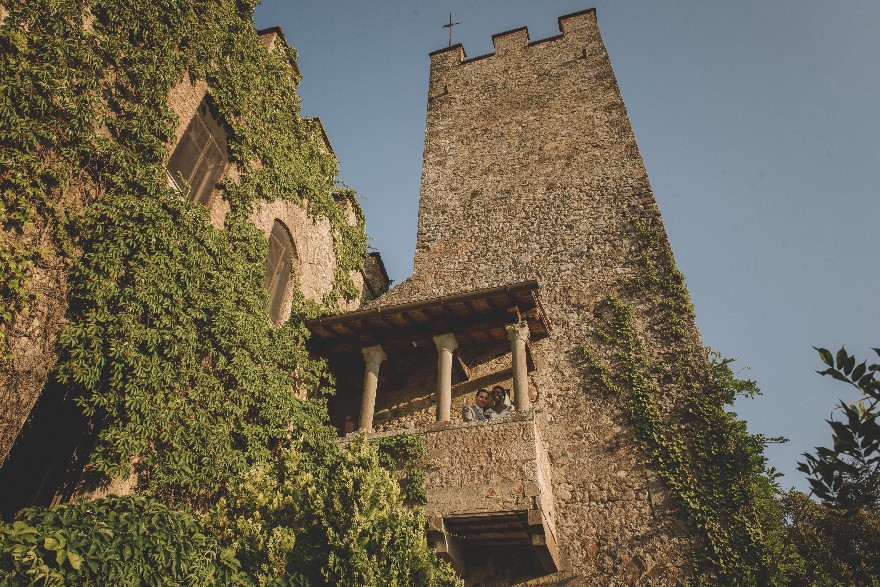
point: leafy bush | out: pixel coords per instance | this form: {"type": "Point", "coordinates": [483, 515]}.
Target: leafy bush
{"type": "Point", "coordinates": [114, 541]}
{"type": "Point", "coordinates": [405, 454]}
{"type": "Point", "coordinates": [839, 537]}
{"type": "Point", "coordinates": [837, 548]}
{"type": "Point", "coordinates": [848, 475]}
{"type": "Point", "coordinates": [339, 519]}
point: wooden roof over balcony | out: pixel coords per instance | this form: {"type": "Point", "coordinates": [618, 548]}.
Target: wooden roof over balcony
{"type": "Point", "coordinates": [476, 318]}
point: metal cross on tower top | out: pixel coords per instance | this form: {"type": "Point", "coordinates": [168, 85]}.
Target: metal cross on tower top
{"type": "Point", "coordinates": [449, 26]}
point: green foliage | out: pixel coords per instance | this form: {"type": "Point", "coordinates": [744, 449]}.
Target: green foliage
{"type": "Point", "coordinates": [185, 375]}
{"type": "Point", "coordinates": [48, 99]}
{"type": "Point", "coordinates": [839, 537]}
{"type": "Point", "coordinates": [114, 541]}
{"type": "Point", "coordinates": [704, 453]}
{"type": "Point", "coordinates": [406, 455]}
{"type": "Point", "coordinates": [837, 549]}
{"type": "Point", "coordinates": [339, 519]}
{"type": "Point", "coordinates": [167, 343]}
{"type": "Point", "coordinates": [351, 243]}
{"type": "Point", "coordinates": [847, 476]}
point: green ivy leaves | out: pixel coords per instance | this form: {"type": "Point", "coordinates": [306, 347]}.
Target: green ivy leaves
{"type": "Point", "coordinates": [48, 110]}
{"type": "Point", "coordinates": [704, 453]}
{"type": "Point", "coordinates": [168, 345]}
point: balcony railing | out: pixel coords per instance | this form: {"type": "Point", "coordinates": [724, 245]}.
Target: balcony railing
{"type": "Point", "coordinates": [488, 485]}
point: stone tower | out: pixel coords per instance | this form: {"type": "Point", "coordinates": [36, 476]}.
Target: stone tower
{"type": "Point", "coordinates": [531, 187]}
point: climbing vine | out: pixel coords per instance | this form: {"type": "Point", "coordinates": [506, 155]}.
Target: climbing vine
{"type": "Point", "coordinates": [167, 344]}
{"type": "Point", "coordinates": [348, 247]}
{"type": "Point", "coordinates": [704, 453]}
{"type": "Point", "coordinates": [406, 456]}
{"type": "Point", "coordinates": [48, 100]}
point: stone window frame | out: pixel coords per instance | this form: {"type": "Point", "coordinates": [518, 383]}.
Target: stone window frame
{"type": "Point", "coordinates": [280, 263]}
{"type": "Point", "coordinates": [200, 158]}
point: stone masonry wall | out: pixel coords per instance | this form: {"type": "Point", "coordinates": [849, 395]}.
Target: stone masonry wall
{"type": "Point", "coordinates": [313, 264]}
{"type": "Point", "coordinates": [486, 466]}
{"type": "Point", "coordinates": [531, 171]}
{"type": "Point", "coordinates": [315, 260]}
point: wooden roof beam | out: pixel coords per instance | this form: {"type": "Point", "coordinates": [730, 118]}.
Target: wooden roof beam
{"type": "Point", "coordinates": [461, 365]}
{"type": "Point", "coordinates": [502, 291]}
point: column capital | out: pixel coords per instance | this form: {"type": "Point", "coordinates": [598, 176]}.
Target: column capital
{"type": "Point", "coordinates": [374, 354]}
{"type": "Point", "coordinates": [517, 331]}
{"type": "Point", "coordinates": [445, 342]}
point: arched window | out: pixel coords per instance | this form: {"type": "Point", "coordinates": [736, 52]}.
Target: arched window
{"type": "Point", "coordinates": [279, 270]}
{"type": "Point", "coordinates": [200, 157]}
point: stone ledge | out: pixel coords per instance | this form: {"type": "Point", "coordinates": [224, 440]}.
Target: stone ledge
{"type": "Point", "coordinates": [442, 426]}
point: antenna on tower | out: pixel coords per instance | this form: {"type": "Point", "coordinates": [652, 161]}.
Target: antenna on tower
{"type": "Point", "coordinates": [449, 26]}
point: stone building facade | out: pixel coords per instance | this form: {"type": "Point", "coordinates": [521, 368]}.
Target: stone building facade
{"type": "Point", "coordinates": [532, 184]}
{"type": "Point", "coordinates": [37, 438]}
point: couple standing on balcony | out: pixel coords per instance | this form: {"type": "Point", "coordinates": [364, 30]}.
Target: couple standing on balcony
{"type": "Point", "coordinates": [489, 405]}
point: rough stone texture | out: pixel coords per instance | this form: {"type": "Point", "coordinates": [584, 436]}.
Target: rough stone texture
{"type": "Point", "coordinates": [184, 99]}
{"type": "Point", "coordinates": [478, 467]}
{"type": "Point", "coordinates": [512, 469]}
{"type": "Point", "coordinates": [315, 260]}
{"type": "Point", "coordinates": [32, 336]}
{"type": "Point", "coordinates": [375, 277]}
{"type": "Point", "coordinates": [531, 171]}
{"type": "Point", "coordinates": [91, 486]}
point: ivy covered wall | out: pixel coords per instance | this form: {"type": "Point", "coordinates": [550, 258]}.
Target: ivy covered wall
{"type": "Point", "coordinates": [684, 422]}
{"type": "Point", "coordinates": [160, 301]}
{"type": "Point", "coordinates": [155, 319]}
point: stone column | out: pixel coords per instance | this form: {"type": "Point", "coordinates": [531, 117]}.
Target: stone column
{"type": "Point", "coordinates": [446, 344]}
{"type": "Point", "coordinates": [373, 357]}
{"type": "Point", "coordinates": [518, 335]}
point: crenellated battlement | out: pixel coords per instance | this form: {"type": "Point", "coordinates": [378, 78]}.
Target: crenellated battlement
{"type": "Point", "coordinates": [516, 41]}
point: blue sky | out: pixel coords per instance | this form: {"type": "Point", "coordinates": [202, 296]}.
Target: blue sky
{"type": "Point", "coordinates": [759, 126]}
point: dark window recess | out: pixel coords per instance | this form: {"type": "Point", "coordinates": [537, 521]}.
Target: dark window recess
{"type": "Point", "coordinates": [200, 157]}
{"type": "Point", "coordinates": [48, 456]}
{"type": "Point", "coordinates": [279, 269]}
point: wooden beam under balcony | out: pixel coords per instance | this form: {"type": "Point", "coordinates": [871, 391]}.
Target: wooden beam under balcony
{"type": "Point", "coordinates": [506, 528]}
{"type": "Point", "coordinates": [479, 316]}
